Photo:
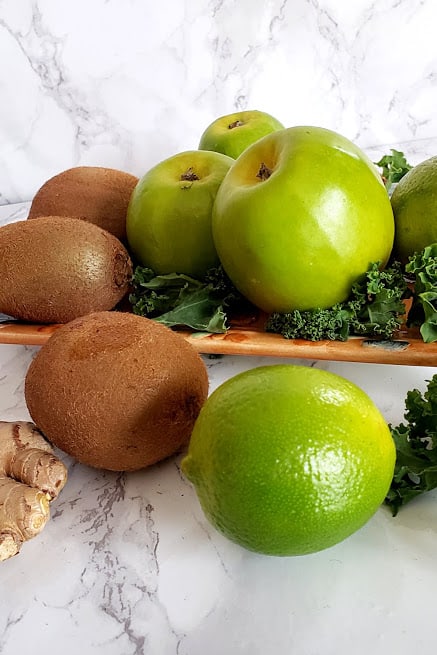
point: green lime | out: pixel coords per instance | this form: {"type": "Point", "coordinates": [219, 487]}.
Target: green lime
{"type": "Point", "coordinates": [414, 203]}
{"type": "Point", "coordinates": [289, 460]}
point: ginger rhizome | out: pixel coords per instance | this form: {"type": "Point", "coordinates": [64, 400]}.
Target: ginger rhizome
{"type": "Point", "coordinates": [30, 477]}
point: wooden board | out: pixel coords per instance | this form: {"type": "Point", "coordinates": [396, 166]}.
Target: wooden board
{"type": "Point", "coordinates": [407, 348]}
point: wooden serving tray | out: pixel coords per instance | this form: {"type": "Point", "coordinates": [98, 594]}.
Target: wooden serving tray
{"type": "Point", "coordinates": [250, 338]}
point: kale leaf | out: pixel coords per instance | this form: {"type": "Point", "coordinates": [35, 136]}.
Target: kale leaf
{"type": "Point", "coordinates": [416, 448]}
{"type": "Point", "coordinates": [176, 299]}
{"type": "Point", "coordinates": [374, 308]}
{"type": "Point", "coordinates": [312, 324]}
{"type": "Point", "coordinates": [376, 301]}
{"type": "Point", "coordinates": [394, 167]}
{"type": "Point", "coordinates": [423, 267]}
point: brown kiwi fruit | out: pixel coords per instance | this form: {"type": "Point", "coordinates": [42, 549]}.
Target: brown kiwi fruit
{"type": "Point", "coordinates": [92, 193]}
{"type": "Point", "coordinates": [55, 269]}
{"type": "Point", "coordinates": [116, 391]}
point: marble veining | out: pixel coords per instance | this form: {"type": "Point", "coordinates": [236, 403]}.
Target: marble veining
{"type": "Point", "coordinates": [128, 84]}
{"type": "Point", "coordinates": [128, 564]}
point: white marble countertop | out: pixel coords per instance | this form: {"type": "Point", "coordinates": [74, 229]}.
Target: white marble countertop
{"type": "Point", "coordinates": [129, 565]}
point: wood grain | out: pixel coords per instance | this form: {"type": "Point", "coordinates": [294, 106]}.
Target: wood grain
{"type": "Point", "coordinates": [406, 349]}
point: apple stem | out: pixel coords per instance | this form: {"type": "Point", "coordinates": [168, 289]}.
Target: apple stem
{"type": "Point", "coordinates": [235, 124]}
{"type": "Point", "coordinates": [264, 172]}
{"type": "Point", "coordinates": [189, 175]}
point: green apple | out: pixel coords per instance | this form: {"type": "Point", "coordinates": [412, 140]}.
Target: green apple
{"type": "Point", "coordinates": [168, 222]}
{"type": "Point", "coordinates": [233, 133]}
{"type": "Point", "coordinates": [299, 217]}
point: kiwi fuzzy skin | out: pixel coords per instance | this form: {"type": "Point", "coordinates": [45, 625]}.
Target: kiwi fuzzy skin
{"type": "Point", "coordinates": [56, 268]}
{"type": "Point", "coordinates": [116, 391]}
{"type": "Point", "coordinates": [95, 194]}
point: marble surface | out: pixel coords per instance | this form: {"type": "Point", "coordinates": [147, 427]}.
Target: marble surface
{"type": "Point", "coordinates": [126, 84]}
{"type": "Point", "coordinates": [129, 565]}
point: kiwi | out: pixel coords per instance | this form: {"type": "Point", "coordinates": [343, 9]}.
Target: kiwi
{"type": "Point", "coordinates": [92, 193]}
{"type": "Point", "coordinates": [55, 269]}
{"type": "Point", "coordinates": [116, 391]}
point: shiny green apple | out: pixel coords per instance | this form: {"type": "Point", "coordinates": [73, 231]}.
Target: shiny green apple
{"type": "Point", "coordinates": [233, 133]}
{"type": "Point", "coordinates": [168, 221]}
{"type": "Point", "coordinates": [299, 217]}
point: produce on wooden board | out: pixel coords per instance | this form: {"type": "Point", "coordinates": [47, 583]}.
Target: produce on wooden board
{"type": "Point", "coordinates": [116, 391]}
{"type": "Point", "coordinates": [95, 194]}
{"type": "Point", "coordinates": [378, 305]}
{"type": "Point", "coordinates": [55, 269]}
{"type": "Point", "coordinates": [378, 298]}
{"type": "Point", "coordinates": [31, 476]}
{"type": "Point", "coordinates": [375, 306]}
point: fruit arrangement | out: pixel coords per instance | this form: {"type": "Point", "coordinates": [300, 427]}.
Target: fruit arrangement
{"type": "Point", "coordinates": [293, 256]}
{"type": "Point", "coordinates": [295, 223]}
{"type": "Point", "coordinates": [298, 232]}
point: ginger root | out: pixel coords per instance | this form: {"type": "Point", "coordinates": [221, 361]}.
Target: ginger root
{"type": "Point", "coordinates": [30, 477]}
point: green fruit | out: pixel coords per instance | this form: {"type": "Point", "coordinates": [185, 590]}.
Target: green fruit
{"type": "Point", "coordinates": [288, 460]}
{"type": "Point", "coordinates": [414, 203]}
{"type": "Point", "coordinates": [168, 220]}
{"type": "Point", "coordinates": [299, 217]}
{"type": "Point", "coordinates": [233, 133]}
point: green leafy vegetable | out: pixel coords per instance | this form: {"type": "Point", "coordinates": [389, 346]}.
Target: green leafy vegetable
{"type": "Point", "coordinates": [374, 308]}
{"type": "Point", "coordinates": [416, 448]}
{"type": "Point", "coordinates": [313, 324]}
{"type": "Point", "coordinates": [159, 293]}
{"type": "Point", "coordinates": [394, 167]}
{"type": "Point", "coordinates": [376, 301]}
{"type": "Point", "coordinates": [180, 300]}
{"type": "Point", "coordinates": [423, 312]}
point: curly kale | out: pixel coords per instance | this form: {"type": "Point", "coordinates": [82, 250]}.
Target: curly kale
{"type": "Point", "coordinates": [394, 167]}
{"type": "Point", "coordinates": [416, 448]}
{"type": "Point", "coordinates": [374, 308]}
{"type": "Point", "coordinates": [423, 267]}
{"type": "Point", "coordinates": [313, 325]}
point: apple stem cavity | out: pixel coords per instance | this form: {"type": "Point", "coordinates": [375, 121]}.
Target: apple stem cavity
{"type": "Point", "coordinates": [236, 123]}
{"type": "Point", "coordinates": [264, 172]}
{"type": "Point", "coordinates": [189, 175]}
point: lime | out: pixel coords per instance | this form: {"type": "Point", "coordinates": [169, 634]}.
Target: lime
{"type": "Point", "coordinates": [414, 203]}
{"type": "Point", "coordinates": [289, 460]}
